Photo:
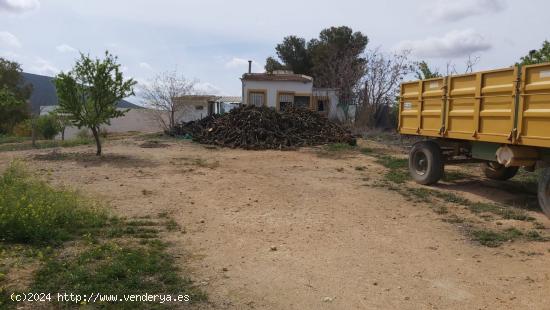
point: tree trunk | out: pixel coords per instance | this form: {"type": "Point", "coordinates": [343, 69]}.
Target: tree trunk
{"type": "Point", "coordinates": [172, 120]}
{"type": "Point", "coordinates": [33, 130]}
{"type": "Point", "coordinates": [63, 134]}
{"type": "Point", "coordinates": [95, 131]}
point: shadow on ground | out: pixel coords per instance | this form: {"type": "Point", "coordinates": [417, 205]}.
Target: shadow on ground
{"type": "Point", "coordinates": [90, 159]}
{"type": "Point", "coordinates": [511, 193]}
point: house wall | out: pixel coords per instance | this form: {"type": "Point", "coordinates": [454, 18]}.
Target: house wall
{"type": "Point", "coordinates": [191, 112]}
{"type": "Point", "coordinates": [140, 120]}
{"type": "Point", "coordinates": [335, 112]}
{"type": "Point", "coordinates": [273, 87]}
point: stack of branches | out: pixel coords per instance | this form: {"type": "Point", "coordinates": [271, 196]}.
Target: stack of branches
{"type": "Point", "coordinates": [260, 128]}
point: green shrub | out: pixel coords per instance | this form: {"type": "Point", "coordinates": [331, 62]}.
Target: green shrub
{"type": "Point", "coordinates": [83, 134]}
{"type": "Point", "coordinates": [48, 126]}
{"type": "Point", "coordinates": [23, 129]}
{"type": "Point", "coordinates": [33, 212]}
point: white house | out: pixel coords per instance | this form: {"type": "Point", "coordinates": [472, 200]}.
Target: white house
{"type": "Point", "coordinates": [282, 89]}
{"type": "Point", "coordinates": [199, 106]}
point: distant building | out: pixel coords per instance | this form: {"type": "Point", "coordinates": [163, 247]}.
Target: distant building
{"type": "Point", "coordinates": [199, 106]}
{"type": "Point", "coordinates": [282, 89]}
{"type": "Point", "coordinates": [44, 100]}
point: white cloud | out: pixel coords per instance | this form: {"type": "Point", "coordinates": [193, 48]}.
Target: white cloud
{"type": "Point", "coordinates": [65, 48]}
{"type": "Point", "coordinates": [453, 10]}
{"type": "Point", "coordinates": [456, 43]}
{"type": "Point", "coordinates": [8, 40]}
{"type": "Point", "coordinates": [242, 63]}
{"type": "Point", "coordinates": [19, 6]}
{"type": "Point", "coordinates": [44, 67]}
{"type": "Point", "coordinates": [146, 66]}
{"type": "Point", "coordinates": [10, 55]}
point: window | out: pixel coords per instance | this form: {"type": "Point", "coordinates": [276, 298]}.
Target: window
{"type": "Point", "coordinates": [322, 105]}
{"type": "Point", "coordinates": [285, 101]}
{"type": "Point", "coordinates": [199, 107]}
{"type": "Point", "coordinates": [301, 102]}
{"type": "Point", "coordinates": [257, 99]}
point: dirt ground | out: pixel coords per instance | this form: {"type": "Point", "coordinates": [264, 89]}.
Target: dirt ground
{"type": "Point", "coordinates": [295, 230]}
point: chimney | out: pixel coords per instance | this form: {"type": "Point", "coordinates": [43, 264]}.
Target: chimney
{"type": "Point", "coordinates": [249, 66]}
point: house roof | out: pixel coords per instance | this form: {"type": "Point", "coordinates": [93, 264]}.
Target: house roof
{"type": "Point", "coordinates": [284, 77]}
{"type": "Point", "coordinates": [196, 99]}
{"type": "Point", "coordinates": [229, 99]}
{"type": "Point", "coordinates": [45, 94]}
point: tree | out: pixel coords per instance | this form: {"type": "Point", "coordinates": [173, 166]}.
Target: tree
{"type": "Point", "coordinates": [12, 110]}
{"type": "Point", "coordinates": [333, 60]}
{"type": "Point", "coordinates": [424, 72]}
{"type": "Point", "coordinates": [379, 87]}
{"type": "Point", "coordinates": [90, 92]}
{"type": "Point", "coordinates": [163, 95]}
{"type": "Point", "coordinates": [13, 95]}
{"type": "Point", "coordinates": [337, 59]}
{"type": "Point", "coordinates": [272, 64]}
{"type": "Point", "coordinates": [537, 56]}
{"type": "Point", "coordinates": [294, 53]}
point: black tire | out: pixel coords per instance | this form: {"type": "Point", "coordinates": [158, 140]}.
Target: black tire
{"type": "Point", "coordinates": [496, 171]}
{"type": "Point", "coordinates": [544, 191]}
{"type": "Point", "coordinates": [426, 163]}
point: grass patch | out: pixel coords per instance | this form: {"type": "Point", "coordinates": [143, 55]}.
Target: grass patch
{"type": "Point", "coordinates": [45, 144]}
{"type": "Point", "coordinates": [440, 210]}
{"type": "Point", "coordinates": [201, 162]}
{"type": "Point", "coordinates": [534, 235]}
{"type": "Point", "coordinates": [419, 193]}
{"type": "Point", "coordinates": [495, 239]}
{"type": "Point", "coordinates": [113, 269]}
{"type": "Point", "coordinates": [339, 147]}
{"type": "Point", "coordinates": [13, 139]}
{"type": "Point", "coordinates": [455, 175]}
{"type": "Point", "coordinates": [336, 150]}
{"type": "Point", "coordinates": [172, 225]}
{"type": "Point", "coordinates": [392, 162]}
{"type": "Point", "coordinates": [398, 172]}
{"type": "Point", "coordinates": [106, 255]}
{"type": "Point", "coordinates": [454, 219]}
{"type": "Point", "coordinates": [32, 212]}
{"type": "Point", "coordinates": [367, 151]}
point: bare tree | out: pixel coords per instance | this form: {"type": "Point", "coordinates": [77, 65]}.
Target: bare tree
{"type": "Point", "coordinates": [471, 62]}
{"type": "Point", "coordinates": [451, 68]}
{"type": "Point", "coordinates": [163, 94]}
{"type": "Point", "coordinates": [469, 65]}
{"type": "Point", "coordinates": [379, 86]}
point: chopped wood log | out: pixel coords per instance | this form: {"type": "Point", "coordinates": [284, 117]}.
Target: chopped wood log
{"type": "Point", "coordinates": [260, 128]}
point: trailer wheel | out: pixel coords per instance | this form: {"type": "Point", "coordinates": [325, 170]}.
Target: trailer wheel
{"type": "Point", "coordinates": [544, 191]}
{"type": "Point", "coordinates": [426, 163]}
{"type": "Point", "coordinates": [496, 171]}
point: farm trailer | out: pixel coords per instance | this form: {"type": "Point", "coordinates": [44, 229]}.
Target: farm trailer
{"type": "Point", "coordinates": [500, 118]}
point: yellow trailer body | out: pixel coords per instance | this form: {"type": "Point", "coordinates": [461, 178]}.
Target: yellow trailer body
{"type": "Point", "coordinates": [507, 106]}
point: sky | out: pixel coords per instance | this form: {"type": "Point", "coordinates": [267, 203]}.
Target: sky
{"type": "Point", "coordinates": [211, 40]}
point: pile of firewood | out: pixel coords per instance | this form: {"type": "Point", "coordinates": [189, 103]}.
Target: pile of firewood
{"type": "Point", "coordinates": [262, 128]}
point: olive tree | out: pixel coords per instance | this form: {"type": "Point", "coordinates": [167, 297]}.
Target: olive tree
{"type": "Point", "coordinates": [89, 93]}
